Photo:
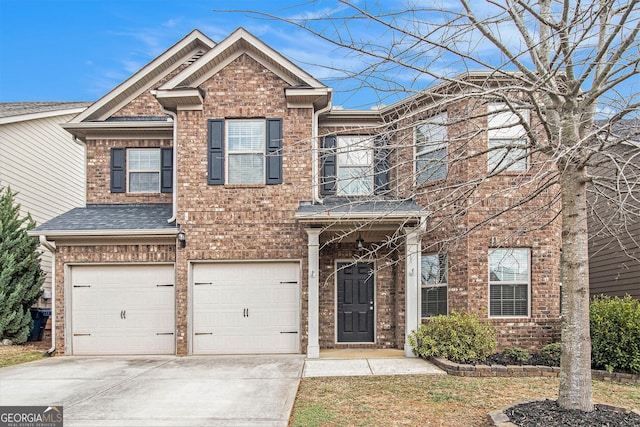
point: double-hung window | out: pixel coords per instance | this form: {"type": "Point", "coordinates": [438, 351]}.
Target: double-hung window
{"type": "Point", "coordinates": [355, 165]}
{"type": "Point", "coordinates": [245, 151]}
{"type": "Point", "coordinates": [507, 140]}
{"type": "Point", "coordinates": [433, 268]}
{"type": "Point", "coordinates": [143, 169]}
{"type": "Point", "coordinates": [431, 149]}
{"type": "Point", "coordinates": [509, 282]}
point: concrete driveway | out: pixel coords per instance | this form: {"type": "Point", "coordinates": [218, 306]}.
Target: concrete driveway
{"type": "Point", "coordinates": [159, 391]}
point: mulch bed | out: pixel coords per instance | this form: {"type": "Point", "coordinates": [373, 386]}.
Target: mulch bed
{"type": "Point", "coordinates": [502, 359]}
{"type": "Point", "coordinates": [548, 413]}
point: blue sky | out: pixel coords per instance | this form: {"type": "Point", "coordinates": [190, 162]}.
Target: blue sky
{"type": "Point", "coordinates": [78, 50]}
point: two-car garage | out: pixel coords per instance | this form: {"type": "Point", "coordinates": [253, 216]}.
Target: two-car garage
{"type": "Point", "coordinates": [236, 308]}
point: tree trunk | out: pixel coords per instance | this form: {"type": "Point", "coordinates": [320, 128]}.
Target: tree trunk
{"type": "Point", "coordinates": [575, 367]}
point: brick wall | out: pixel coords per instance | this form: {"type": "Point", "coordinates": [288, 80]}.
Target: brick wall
{"type": "Point", "coordinates": [241, 222]}
{"type": "Point", "coordinates": [100, 254]}
{"type": "Point", "coordinates": [98, 171]}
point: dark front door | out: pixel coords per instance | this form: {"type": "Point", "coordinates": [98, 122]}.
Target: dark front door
{"type": "Point", "coordinates": [355, 302]}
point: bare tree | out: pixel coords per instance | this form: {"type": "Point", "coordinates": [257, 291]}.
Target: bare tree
{"type": "Point", "coordinates": [566, 71]}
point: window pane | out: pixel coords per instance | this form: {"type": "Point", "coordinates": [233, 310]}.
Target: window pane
{"type": "Point", "coordinates": [431, 166]}
{"type": "Point", "coordinates": [430, 135]}
{"type": "Point", "coordinates": [144, 159]}
{"type": "Point", "coordinates": [144, 182]}
{"type": "Point", "coordinates": [509, 265]}
{"type": "Point", "coordinates": [434, 301]}
{"type": "Point", "coordinates": [246, 135]}
{"type": "Point", "coordinates": [509, 300]}
{"type": "Point", "coordinates": [355, 180]}
{"type": "Point", "coordinates": [512, 158]}
{"type": "Point", "coordinates": [434, 268]}
{"type": "Point", "coordinates": [246, 169]}
{"type": "Point", "coordinates": [355, 151]}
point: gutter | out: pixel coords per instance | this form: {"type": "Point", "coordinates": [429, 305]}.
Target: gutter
{"type": "Point", "coordinates": [314, 151]}
{"type": "Point", "coordinates": [156, 232]}
{"type": "Point", "coordinates": [51, 247]}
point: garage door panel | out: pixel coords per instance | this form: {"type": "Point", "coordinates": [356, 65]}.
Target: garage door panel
{"type": "Point", "coordinates": [246, 308]}
{"type": "Point", "coordinates": [123, 309]}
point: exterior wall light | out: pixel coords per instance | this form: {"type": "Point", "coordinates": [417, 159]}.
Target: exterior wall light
{"type": "Point", "coordinates": [360, 244]}
{"type": "Point", "coordinates": [181, 239]}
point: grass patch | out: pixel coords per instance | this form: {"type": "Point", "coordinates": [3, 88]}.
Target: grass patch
{"type": "Point", "coordinates": [428, 400]}
{"type": "Point", "coordinates": [313, 415]}
{"type": "Point", "coordinates": [16, 354]}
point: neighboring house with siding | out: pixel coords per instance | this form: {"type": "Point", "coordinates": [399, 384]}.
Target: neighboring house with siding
{"type": "Point", "coordinates": [228, 206]}
{"type": "Point", "coordinates": [614, 239]}
{"type": "Point", "coordinates": [41, 162]}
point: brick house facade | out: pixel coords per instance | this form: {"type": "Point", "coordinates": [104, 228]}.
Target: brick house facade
{"type": "Point", "coordinates": [230, 209]}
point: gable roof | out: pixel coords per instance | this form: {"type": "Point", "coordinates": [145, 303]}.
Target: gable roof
{"type": "Point", "coordinates": [237, 43]}
{"type": "Point", "coordinates": [11, 112]}
{"type": "Point", "coordinates": [188, 49]}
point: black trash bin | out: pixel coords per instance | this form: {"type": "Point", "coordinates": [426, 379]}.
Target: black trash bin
{"type": "Point", "coordinates": [40, 317]}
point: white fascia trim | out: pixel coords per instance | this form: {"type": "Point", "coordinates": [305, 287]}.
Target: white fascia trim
{"type": "Point", "coordinates": [143, 72]}
{"type": "Point", "coordinates": [236, 37]}
{"type": "Point", "coordinates": [42, 115]}
{"type": "Point", "coordinates": [328, 216]}
{"type": "Point", "coordinates": [104, 233]}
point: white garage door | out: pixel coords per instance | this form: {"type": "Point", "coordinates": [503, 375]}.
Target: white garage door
{"type": "Point", "coordinates": [246, 308]}
{"type": "Point", "coordinates": [123, 309]}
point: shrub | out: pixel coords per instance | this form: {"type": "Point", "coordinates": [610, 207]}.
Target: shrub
{"type": "Point", "coordinates": [459, 337]}
{"type": "Point", "coordinates": [517, 354]}
{"type": "Point", "coordinates": [615, 334]}
{"type": "Point", "coordinates": [549, 355]}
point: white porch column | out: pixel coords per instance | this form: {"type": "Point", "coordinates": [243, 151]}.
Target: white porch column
{"type": "Point", "coordinates": [412, 286]}
{"type": "Point", "coordinates": [313, 347]}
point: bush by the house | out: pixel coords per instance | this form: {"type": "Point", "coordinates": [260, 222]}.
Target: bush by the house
{"type": "Point", "coordinates": [549, 355]}
{"type": "Point", "coordinates": [519, 355]}
{"type": "Point", "coordinates": [459, 337]}
{"type": "Point", "coordinates": [615, 334]}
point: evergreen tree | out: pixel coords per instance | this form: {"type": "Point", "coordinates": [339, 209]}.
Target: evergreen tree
{"type": "Point", "coordinates": [20, 274]}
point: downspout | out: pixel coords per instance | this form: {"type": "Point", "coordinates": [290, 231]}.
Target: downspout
{"type": "Point", "coordinates": [314, 150]}
{"type": "Point", "coordinates": [174, 116]}
{"type": "Point", "coordinates": [51, 247]}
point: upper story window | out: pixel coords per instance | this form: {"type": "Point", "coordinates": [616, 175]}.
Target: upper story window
{"type": "Point", "coordinates": [431, 149]}
{"type": "Point", "coordinates": [507, 140]}
{"type": "Point", "coordinates": [245, 151]}
{"type": "Point", "coordinates": [141, 170]}
{"type": "Point", "coordinates": [509, 282]}
{"type": "Point", "coordinates": [355, 165]}
{"type": "Point", "coordinates": [433, 268]}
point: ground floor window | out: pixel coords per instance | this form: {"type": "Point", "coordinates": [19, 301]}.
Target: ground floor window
{"type": "Point", "coordinates": [434, 284]}
{"type": "Point", "coordinates": [509, 282]}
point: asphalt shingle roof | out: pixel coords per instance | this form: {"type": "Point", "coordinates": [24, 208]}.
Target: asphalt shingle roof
{"type": "Point", "coordinates": [341, 205]}
{"type": "Point", "coordinates": [10, 109]}
{"type": "Point", "coordinates": [112, 217]}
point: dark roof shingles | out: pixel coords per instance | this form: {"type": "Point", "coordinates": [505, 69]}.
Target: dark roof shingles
{"type": "Point", "coordinates": [112, 217]}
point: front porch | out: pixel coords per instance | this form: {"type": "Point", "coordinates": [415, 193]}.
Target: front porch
{"type": "Point", "coordinates": [363, 274]}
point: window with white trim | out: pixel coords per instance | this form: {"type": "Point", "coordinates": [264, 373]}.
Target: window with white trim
{"type": "Point", "coordinates": [433, 267]}
{"type": "Point", "coordinates": [143, 169]}
{"type": "Point", "coordinates": [355, 165]}
{"type": "Point", "coordinates": [431, 149]}
{"type": "Point", "coordinates": [509, 282]}
{"type": "Point", "coordinates": [507, 140]}
{"type": "Point", "coordinates": [245, 151]}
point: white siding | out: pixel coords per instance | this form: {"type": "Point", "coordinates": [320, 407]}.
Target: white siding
{"type": "Point", "coordinates": [40, 161]}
